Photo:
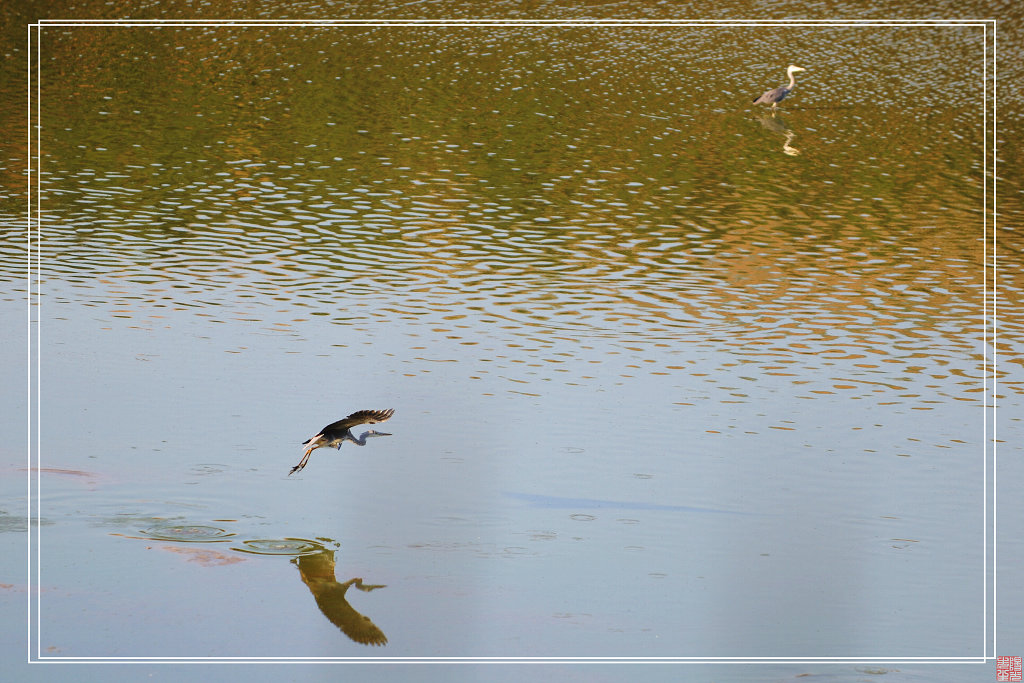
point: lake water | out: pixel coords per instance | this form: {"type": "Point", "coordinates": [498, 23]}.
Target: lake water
{"type": "Point", "coordinates": [672, 376]}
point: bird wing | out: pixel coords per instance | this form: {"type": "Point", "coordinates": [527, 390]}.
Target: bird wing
{"type": "Point", "coordinates": [360, 417]}
{"type": "Point", "coordinates": [773, 95]}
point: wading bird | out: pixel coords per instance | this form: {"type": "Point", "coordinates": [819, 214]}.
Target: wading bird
{"type": "Point", "coordinates": [341, 431]}
{"type": "Point", "coordinates": [776, 95]}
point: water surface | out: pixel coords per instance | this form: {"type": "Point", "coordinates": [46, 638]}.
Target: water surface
{"type": "Point", "coordinates": [673, 377]}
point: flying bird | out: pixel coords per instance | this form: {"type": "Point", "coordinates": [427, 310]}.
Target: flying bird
{"type": "Point", "coordinates": [339, 432]}
{"type": "Point", "coordinates": [776, 95]}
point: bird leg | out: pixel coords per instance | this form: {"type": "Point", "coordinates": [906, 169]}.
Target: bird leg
{"type": "Point", "coordinates": [302, 463]}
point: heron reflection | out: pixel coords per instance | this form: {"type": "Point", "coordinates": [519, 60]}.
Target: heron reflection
{"type": "Point", "coordinates": [317, 572]}
{"type": "Point", "coordinates": [777, 124]}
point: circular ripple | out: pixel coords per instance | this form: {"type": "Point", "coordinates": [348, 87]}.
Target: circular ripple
{"type": "Point", "coordinates": [192, 533]}
{"type": "Point", "coordinates": [282, 546]}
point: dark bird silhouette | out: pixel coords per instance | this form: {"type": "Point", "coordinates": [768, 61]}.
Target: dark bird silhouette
{"type": "Point", "coordinates": [776, 95]}
{"type": "Point", "coordinates": [339, 432]}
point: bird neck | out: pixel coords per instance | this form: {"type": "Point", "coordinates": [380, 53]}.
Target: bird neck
{"type": "Point", "coordinates": [792, 80]}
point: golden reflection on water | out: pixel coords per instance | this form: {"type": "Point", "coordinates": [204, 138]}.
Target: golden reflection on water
{"type": "Point", "coordinates": [777, 294]}
{"type": "Point", "coordinates": [318, 573]}
{"type": "Point", "coordinates": [541, 210]}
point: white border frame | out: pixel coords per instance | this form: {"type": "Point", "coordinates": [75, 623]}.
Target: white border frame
{"type": "Point", "coordinates": [34, 237]}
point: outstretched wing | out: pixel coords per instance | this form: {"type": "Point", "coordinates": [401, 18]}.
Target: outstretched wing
{"type": "Point", "coordinates": [360, 417]}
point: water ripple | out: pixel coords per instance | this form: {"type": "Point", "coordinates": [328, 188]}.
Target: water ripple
{"type": "Point", "coordinates": [190, 533]}
{"type": "Point", "coordinates": [654, 208]}
{"type": "Point", "coordinates": [294, 547]}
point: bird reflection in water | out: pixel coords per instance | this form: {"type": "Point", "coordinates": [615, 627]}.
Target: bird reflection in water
{"type": "Point", "coordinates": [318, 574]}
{"type": "Point", "coordinates": [777, 124]}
